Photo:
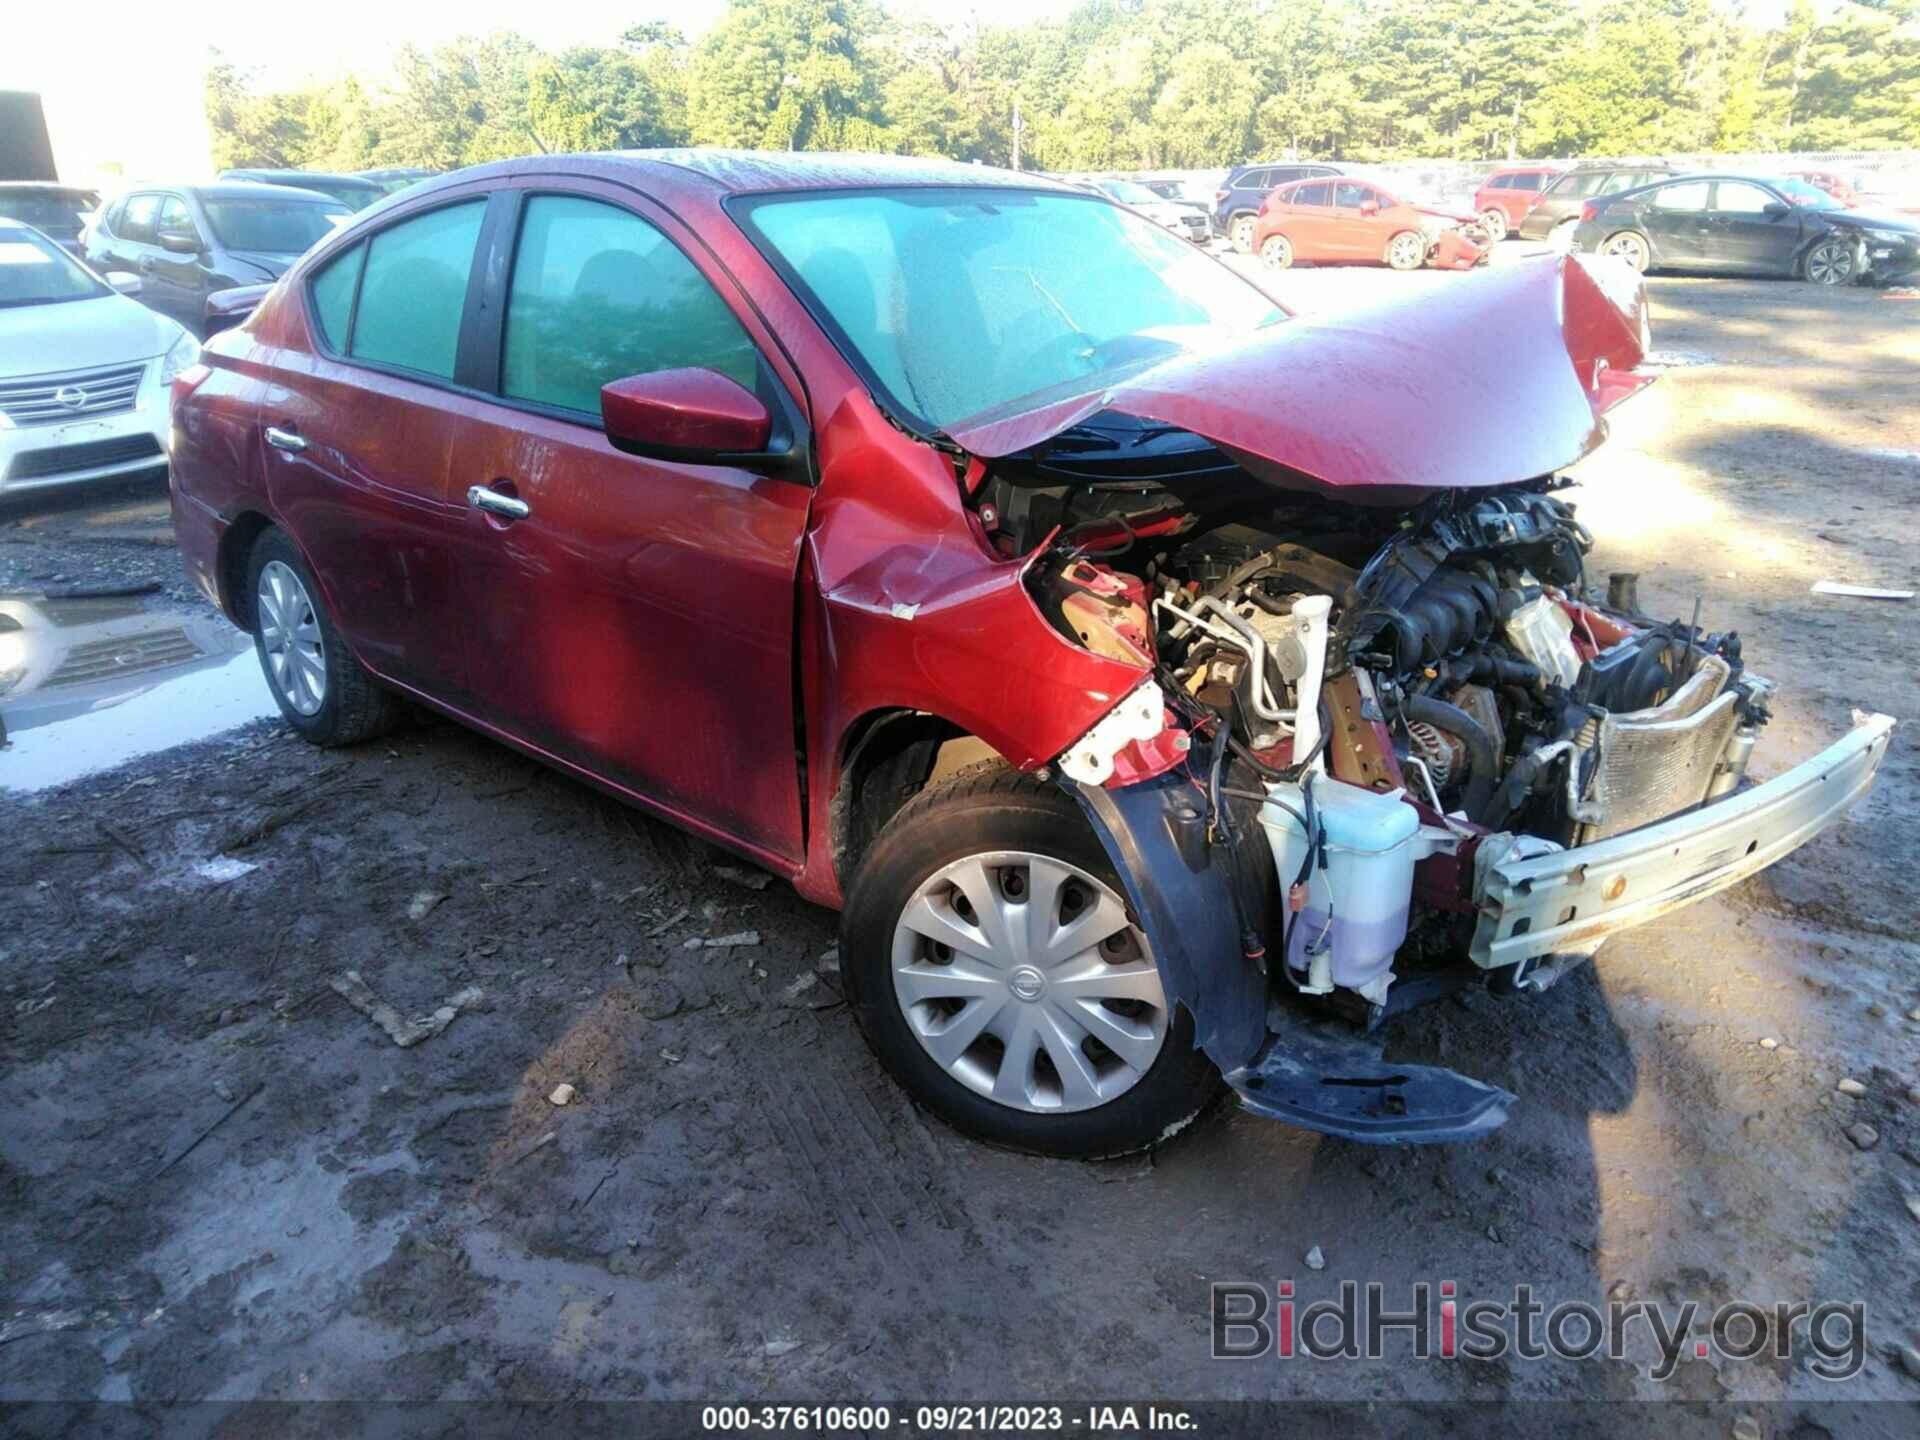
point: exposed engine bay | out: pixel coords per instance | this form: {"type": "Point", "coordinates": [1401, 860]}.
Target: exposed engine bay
{"type": "Point", "coordinates": [1359, 688]}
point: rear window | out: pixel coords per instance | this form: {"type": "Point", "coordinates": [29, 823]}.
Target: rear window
{"type": "Point", "coordinates": [1501, 182]}
{"type": "Point", "coordinates": [1531, 181]}
{"type": "Point", "coordinates": [275, 227]}
{"type": "Point", "coordinates": [56, 215]}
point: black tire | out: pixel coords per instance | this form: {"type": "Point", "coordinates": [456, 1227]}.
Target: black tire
{"type": "Point", "coordinates": [992, 807]}
{"type": "Point", "coordinates": [354, 706]}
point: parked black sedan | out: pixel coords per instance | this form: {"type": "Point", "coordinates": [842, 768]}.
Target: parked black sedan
{"type": "Point", "coordinates": [1739, 224]}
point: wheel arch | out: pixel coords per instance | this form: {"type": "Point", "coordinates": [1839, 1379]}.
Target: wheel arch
{"type": "Point", "coordinates": [236, 544]}
{"type": "Point", "coordinates": [886, 757]}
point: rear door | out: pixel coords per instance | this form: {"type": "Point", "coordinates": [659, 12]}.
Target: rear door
{"type": "Point", "coordinates": [638, 620]}
{"type": "Point", "coordinates": [1742, 236]}
{"type": "Point", "coordinates": [1310, 222]}
{"type": "Point", "coordinates": [1675, 219]}
{"type": "Point", "coordinates": [361, 424]}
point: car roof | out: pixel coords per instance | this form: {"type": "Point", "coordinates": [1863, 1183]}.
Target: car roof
{"type": "Point", "coordinates": [248, 172]}
{"type": "Point", "coordinates": [250, 190]}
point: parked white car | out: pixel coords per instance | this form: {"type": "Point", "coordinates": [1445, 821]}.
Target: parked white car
{"type": "Point", "coordinates": [84, 370]}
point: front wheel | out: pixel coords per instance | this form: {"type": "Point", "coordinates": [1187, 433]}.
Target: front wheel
{"type": "Point", "coordinates": [994, 965]}
{"type": "Point", "coordinates": [322, 691]}
{"type": "Point", "coordinates": [1629, 247]}
{"type": "Point", "coordinates": [1240, 232]}
{"type": "Point", "coordinates": [1832, 262]}
{"type": "Point", "coordinates": [1276, 252]}
{"type": "Point", "coordinates": [1407, 250]}
{"type": "Point", "coordinates": [1495, 219]}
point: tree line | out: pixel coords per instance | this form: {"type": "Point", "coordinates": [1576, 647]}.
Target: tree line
{"type": "Point", "coordinates": [1127, 84]}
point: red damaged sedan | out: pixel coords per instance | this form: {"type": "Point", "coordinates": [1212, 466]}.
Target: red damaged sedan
{"type": "Point", "coordinates": [1167, 690]}
{"type": "Point", "coordinates": [1354, 222]}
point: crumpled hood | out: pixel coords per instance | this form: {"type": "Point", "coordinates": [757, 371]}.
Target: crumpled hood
{"type": "Point", "coordinates": [1498, 376]}
{"type": "Point", "coordinates": [270, 263]}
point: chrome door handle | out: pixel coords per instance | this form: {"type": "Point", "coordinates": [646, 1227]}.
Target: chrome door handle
{"type": "Point", "coordinates": [481, 498]}
{"type": "Point", "coordinates": [285, 440]}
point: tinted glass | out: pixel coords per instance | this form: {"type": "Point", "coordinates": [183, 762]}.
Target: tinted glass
{"type": "Point", "coordinates": [1500, 182]}
{"type": "Point", "coordinates": [1681, 197]}
{"type": "Point", "coordinates": [1526, 182]}
{"type": "Point", "coordinates": [1620, 180]}
{"type": "Point", "coordinates": [1258, 180]}
{"type": "Point", "coordinates": [35, 271]}
{"type": "Point", "coordinates": [136, 221]}
{"type": "Point", "coordinates": [1316, 194]}
{"type": "Point", "coordinates": [1738, 198]}
{"type": "Point", "coordinates": [275, 227]}
{"type": "Point", "coordinates": [332, 291]}
{"type": "Point", "coordinates": [598, 294]}
{"type": "Point", "coordinates": [415, 290]}
{"type": "Point", "coordinates": [1349, 196]}
{"type": "Point", "coordinates": [958, 301]}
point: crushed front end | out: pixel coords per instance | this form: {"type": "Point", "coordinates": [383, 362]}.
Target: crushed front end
{"type": "Point", "coordinates": [1390, 737]}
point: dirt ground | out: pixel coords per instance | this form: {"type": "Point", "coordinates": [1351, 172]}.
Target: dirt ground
{"type": "Point", "coordinates": [218, 1179]}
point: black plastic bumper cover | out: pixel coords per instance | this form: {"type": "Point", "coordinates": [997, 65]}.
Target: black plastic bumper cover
{"type": "Point", "coordinates": [1317, 1076]}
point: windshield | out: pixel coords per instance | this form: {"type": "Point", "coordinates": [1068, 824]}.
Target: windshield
{"type": "Point", "coordinates": [1800, 192]}
{"type": "Point", "coordinates": [58, 215]}
{"type": "Point", "coordinates": [35, 271]}
{"type": "Point", "coordinates": [279, 227]}
{"type": "Point", "coordinates": [1128, 192]}
{"type": "Point", "coordinates": [955, 302]}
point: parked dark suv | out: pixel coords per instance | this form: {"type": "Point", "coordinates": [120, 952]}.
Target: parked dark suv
{"type": "Point", "coordinates": [1561, 201]}
{"type": "Point", "coordinates": [356, 192]}
{"type": "Point", "coordinates": [187, 241]}
{"type": "Point", "coordinates": [1236, 205]}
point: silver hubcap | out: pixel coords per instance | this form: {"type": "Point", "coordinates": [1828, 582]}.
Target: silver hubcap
{"type": "Point", "coordinates": [1629, 249]}
{"type": "Point", "coordinates": [1243, 234]}
{"type": "Point", "coordinates": [1277, 253]}
{"type": "Point", "coordinates": [1405, 252]}
{"type": "Point", "coordinates": [290, 638]}
{"type": "Point", "coordinates": [1829, 264]}
{"type": "Point", "coordinates": [1024, 980]}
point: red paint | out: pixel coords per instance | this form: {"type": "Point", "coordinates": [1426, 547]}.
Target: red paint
{"type": "Point", "coordinates": [707, 639]}
{"type": "Point", "coordinates": [1343, 221]}
{"type": "Point", "coordinates": [1386, 404]}
{"type": "Point", "coordinates": [1514, 204]}
{"type": "Point", "coordinates": [689, 410]}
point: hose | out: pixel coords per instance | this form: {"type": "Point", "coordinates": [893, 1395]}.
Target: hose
{"type": "Point", "coordinates": [1455, 721]}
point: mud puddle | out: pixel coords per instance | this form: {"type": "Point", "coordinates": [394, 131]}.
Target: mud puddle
{"type": "Point", "coordinates": [89, 684]}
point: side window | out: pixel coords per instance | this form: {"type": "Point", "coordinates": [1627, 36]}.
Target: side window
{"type": "Point", "coordinates": [1349, 195]}
{"type": "Point", "coordinates": [1619, 180]}
{"type": "Point", "coordinates": [598, 293]}
{"type": "Point", "coordinates": [1583, 184]}
{"type": "Point", "coordinates": [332, 291]}
{"type": "Point", "coordinates": [1502, 182]}
{"type": "Point", "coordinates": [1320, 193]}
{"type": "Point", "coordinates": [137, 220]}
{"type": "Point", "coordinates": [1526, 182]}
{"type": "Point", "coordinates": [175, 219]}
{"type": "Point", "coordinates": [1266, 179]}
{"type": "Point", "coordinates": [1734, 197]}
{"type": "Point", "coordinates": [416, 289]}
{"type": "Point", "coordinates": [1681, 197]}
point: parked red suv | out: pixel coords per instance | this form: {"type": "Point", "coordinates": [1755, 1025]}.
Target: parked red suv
{"type": "Point", "coordinates": [1505, 196]}
{"type": "Point", "coordinates": [1138, 667]}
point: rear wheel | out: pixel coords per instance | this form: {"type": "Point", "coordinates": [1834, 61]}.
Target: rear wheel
{"type": "Point", "coordinates": [1630, 247]}
{"type": "Point", "coordinates": [1832, 262]}
{"type": "Point", "coordinates": [1276, 252]}
{"type": "Point", "coordinates": [994, 965]}
{"type": "Point", "coordinates": [322, 691]}
{"type": "Point", "coordinates": [1495, 219]}
{"type": "Point", "coordinates": [1407, 250]}
{"type": "Point", "coordinates": [1240, 232]}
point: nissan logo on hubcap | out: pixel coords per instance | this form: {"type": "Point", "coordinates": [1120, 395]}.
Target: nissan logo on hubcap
{"type": "Point", "coordinates": [1026, 983]}
{"type": "Point", "coordinates": [71, 396]}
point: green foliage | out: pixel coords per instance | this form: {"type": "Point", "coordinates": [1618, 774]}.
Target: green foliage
{"type": "Point", "coordinates": [1130, 84]}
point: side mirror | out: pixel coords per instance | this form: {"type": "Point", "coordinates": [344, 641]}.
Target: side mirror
{"type": "Point", "coordinates": [1369, 207]}
{"type": "Point", "coordinates": [124, 281]}
{"type": "Point", "coordinates": [180, 242]}
{"type": "Point", "coordinates": [1775, 210]}
{"type": "Point", "coordinates": [691, 414]}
